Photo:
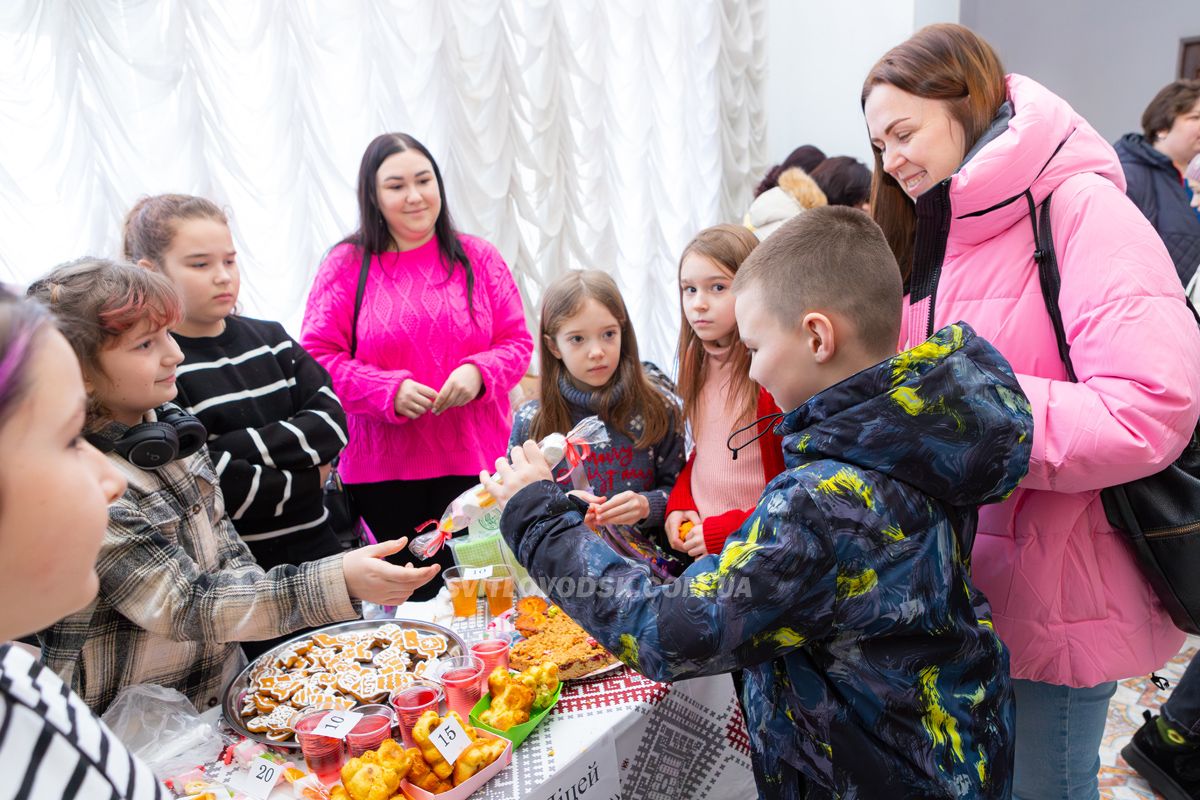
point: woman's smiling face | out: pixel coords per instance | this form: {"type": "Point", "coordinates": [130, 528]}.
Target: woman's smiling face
{"type": "Point", "coordinates": [920, 142]}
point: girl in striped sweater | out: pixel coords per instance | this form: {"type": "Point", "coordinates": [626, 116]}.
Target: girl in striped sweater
{"type": "Point", "coordinates": [273, 420]}
{"type": "Point", "coordinates": [717, 491]}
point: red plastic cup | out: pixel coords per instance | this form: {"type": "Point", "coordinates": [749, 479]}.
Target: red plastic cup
{"type": "Point", "coordinates": [323, 755]}
{"type": "Point", "coordinates": [460, 677]}
{"type": "Point", "coordinates": [493, 653]}
{"type": "Point", "coordinates": [411, 702]}
{"type": "Point", "coordinates": [372, 730]}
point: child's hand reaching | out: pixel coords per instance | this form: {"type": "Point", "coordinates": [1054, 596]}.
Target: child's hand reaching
{"type": "Point", "coordinates": [626, 508]}
{"type": "Point", "coordinates": [528, 466]}
{"type": "Point", "coordinates": [370, 578]}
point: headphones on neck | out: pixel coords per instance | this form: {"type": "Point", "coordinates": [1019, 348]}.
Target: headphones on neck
{"type": "Point", "coordinates": [150, 445]}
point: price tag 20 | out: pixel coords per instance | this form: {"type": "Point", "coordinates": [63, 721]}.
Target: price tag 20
{"type": "Point", "coordinates": [450, 739]}
{"type": "Point", "coordinates": [259, 778]}
{"type": "Point", "coordinates": [336, 724]}
{"type": "Point", "coordinates": [477, 573]}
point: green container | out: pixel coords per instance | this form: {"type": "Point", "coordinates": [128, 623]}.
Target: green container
{"type": "Point", "coordinates": [517, 733]}
{"type": "Point", "coordinates": [485, 551]}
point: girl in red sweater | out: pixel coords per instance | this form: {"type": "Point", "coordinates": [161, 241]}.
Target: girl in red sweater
{"type": "Point", "coordinates": [717, 490]}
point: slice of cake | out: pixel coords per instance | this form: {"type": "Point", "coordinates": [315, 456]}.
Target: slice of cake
{"type": "Point", "coordinates": [562, 641]}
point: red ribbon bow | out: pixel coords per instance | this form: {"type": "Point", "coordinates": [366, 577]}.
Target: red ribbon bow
{"type": "Point", "coordinates": [435, 541]}
{"type": "Point", "coordinates": [577, 450]}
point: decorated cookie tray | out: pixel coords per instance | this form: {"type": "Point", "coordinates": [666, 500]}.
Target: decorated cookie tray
{"type": "Point", "coordinates": [339, 666]}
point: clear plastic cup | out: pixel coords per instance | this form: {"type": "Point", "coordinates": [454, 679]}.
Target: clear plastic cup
{"type": "Point", "coordinates": [464, 593]}
{"type": "Point", "coordinates": [460, 677]}
{"type": "Point", "coordinates": [372, 730]}
{"type": "Point", "coordinates": [412, 701]}
{"type": "Point", "coordinates": [323, 755]}
{"type": "Point", "coordinates": [499, 588]}
{"type": "Point", "coordinates": [493, 653]}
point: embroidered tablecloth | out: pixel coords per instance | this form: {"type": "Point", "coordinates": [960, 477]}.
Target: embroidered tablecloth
{"type": "Point", "coordinates": [679, 741]}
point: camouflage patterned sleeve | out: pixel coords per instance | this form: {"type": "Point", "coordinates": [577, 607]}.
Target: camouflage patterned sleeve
{"type": "Point", "coordinates": [773, 587]}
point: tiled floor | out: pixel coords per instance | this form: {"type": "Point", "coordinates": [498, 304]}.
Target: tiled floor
{"type": "Point", "coordinates": [1117, 780]}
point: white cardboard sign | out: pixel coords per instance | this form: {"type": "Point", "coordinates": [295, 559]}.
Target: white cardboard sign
{"type": "Point", "coordinates": [259, 778]}
{"type": "Point", "coordinates": [450, 739]}
{"type": "Point", "coordinates": [336, 724]}
{"type": "Point", "coordinates": [476, 573]}
{"type": "Point", "coordinates": [593, 775]}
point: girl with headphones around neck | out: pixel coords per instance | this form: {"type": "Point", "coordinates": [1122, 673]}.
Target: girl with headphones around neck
{"type": "Point", "coordinates": [178, 588]}
{"type": "Point", "coordinates": [45, 459]}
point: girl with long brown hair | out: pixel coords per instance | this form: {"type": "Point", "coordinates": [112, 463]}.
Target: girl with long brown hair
{"type": "Point", "coordinates": [589, 365]}
{"type": "Point", "coordinates": [966, 159]}
{"type": "Point", "coordinates": [716, 492]}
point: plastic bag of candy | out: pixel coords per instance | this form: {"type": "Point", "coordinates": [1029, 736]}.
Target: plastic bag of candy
{"type": "Point", "coordinates": [573, 447]}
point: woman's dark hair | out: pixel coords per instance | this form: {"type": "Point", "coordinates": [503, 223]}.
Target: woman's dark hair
{"type": "Point", "coordinates": [1172, 100]}
{"type": "Point", "coordinates": [845, 181]}
{"type": "Point", "coordinates": [943, 62]}
{"type": "Point", "coordinates": [806, 157]}
{"type": "Point", "coordinates": [373, 234]}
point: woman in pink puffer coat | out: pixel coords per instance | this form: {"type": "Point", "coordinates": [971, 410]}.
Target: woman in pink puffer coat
{"type": "Point", "coordinates": [957, 146]}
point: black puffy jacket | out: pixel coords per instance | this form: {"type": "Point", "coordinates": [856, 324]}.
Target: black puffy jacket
{"type": "Point", "coordinates": [1156, 187]}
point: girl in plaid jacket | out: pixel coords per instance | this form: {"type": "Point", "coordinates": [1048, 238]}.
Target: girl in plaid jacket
{"type": "Point", "coordinates": [178, 587]}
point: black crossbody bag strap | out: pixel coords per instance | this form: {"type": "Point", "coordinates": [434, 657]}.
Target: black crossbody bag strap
{"type": "Point", "coordinates": [1048, 275]}
{"type": "Point", "coordinates": [358, 298]}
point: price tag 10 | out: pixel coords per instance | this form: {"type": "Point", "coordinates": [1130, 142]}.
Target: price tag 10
{"type": "Point", "coordinates": [259, 778]}
{"type": "Point", "coordinates": [476, 573]}
{"type": "Point", "coordinates": [450, 739]}
{"type": "Point", "coordinates": [336, 724]}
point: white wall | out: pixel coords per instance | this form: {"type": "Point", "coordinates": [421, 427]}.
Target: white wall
{"type": "Point", "coordinates": [1106, 57]}
{"type": "Point", "coordinates": [818, 54]}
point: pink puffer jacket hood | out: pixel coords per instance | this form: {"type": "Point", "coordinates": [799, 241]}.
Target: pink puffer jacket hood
{"type": "Point", "coordinates": [1066, 594]}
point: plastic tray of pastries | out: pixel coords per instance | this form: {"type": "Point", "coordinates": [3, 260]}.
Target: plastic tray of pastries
{"type": "Point", "coordinates": [339, 666]}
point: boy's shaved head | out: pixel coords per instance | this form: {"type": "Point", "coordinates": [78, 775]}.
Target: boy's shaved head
{"type": "Point", "coordinates": [832, 258]}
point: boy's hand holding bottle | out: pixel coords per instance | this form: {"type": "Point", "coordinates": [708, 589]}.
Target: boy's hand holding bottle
{"type": "Point", "coordinates": [528, 466]}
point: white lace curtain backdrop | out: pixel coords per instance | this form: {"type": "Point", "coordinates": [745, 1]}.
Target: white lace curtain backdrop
{"type": "Point", "coordinates": [571, 133]}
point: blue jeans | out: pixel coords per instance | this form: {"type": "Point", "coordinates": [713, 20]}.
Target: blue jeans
{"type": "Point", "coordinates": [1059, 730]}
{"type": "Point", "coordinates": [1182, 708]}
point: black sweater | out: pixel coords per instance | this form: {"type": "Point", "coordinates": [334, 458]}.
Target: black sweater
{"type": "Point", "coordinates": [272, 420]}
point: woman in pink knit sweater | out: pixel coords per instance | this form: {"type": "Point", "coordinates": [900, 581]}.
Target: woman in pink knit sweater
{"type": "Point", "coordinates": [425, 363]}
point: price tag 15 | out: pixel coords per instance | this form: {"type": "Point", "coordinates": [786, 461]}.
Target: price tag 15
{"type": "Point", "coordinates": [259, 778]}
{"type": "Point", "coordinates": [450, 739]}
{"type": "Point", "coordinates": [336, 724]}
{"type": "Point", "coordinates": [476, 573]}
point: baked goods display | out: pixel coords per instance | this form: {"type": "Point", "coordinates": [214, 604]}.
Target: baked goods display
{"type": "Point", "coordinates": [375, 775]}
{"type": "Point", "coordinates": [516, 697]}
{"type": "Point", "coordinates": [335, 669]}
{"type": "Point", "coordinates": [550, 635]}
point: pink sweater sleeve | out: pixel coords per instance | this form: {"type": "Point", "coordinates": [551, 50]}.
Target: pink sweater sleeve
{"type": "Point", "coordinates": [362, 388]}
{"type": "Point", "coordinates": [1134, 344]}
{"type": "Point", "coordinates": [502, 364]}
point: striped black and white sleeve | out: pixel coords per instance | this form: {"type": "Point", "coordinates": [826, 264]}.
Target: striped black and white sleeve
{"type": "Point", "coordinates": [53, 746]}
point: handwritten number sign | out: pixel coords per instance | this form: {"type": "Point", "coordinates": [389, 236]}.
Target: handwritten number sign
{"type": "Point", "coordinates": [450, 739]}
{"type": "Point", "coordinates": [336, 724]}
{"type": "Point", "coordinates": [260, 778]}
